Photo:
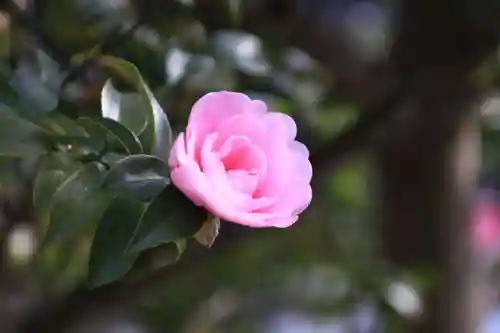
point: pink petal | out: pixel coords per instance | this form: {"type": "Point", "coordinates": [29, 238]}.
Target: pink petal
{"type": "Point", "coordinates": [242, 181]}
{"type": "Point", "coordinates": [250, 126]}
{"type": "Point", "coordinates": [189, 180]}
{"type": "Point", "coordinates": [178, 153]}
{"type": "Point", "coordinates": [300, 148]}
{"type": "Point", "coordinates": [213, 108]}
{"type": "Point", "coordinates": [280, 127]}
{"type": "Point", "coordinates": [283, 222]}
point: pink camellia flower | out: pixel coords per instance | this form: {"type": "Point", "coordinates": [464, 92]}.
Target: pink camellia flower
{"type": "Point", "coordinates": [241, 162]}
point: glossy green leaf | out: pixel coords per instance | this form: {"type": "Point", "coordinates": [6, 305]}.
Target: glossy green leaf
{"type": "Point", "coordinates": [160, 256]}
{"type": "Point", "coordinates": [108, 259]}
{"type": "Point", "coordinates": [77, 204]}
{"type": "Point", "coordinates": [80, 147]}
{"type": "Point", "coordinates": [169, 217]}
{"type": "Point", "coordinates": [58, 160]}
{"type": "Point", "coordinates": [112, 132]}
{"type": "Point", "coordinates": [110, 159]}
{"type": "Point", "coordinates": [125, 108]}
{"type": "Point", "coordinates": [62, 125]}
{"type": "Point", "coordinates": [54, 169]}
{"type": "Point", "coordinates": [138, 177]}
{"type": "Point", "coordinates": [158, 132]}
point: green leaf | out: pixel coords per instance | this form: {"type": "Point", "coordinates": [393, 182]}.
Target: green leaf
{"type": "Point", "coordinates": [138, 177]}
{"type": "Point", "coordinates": [112, 132]}
{"type": "Point", "coordinates": [18, 136]}
{"type": "Point", "coordinates": [108, 259]}
{"type": "Point", "coordinates": [59, 161]}
{"type": "Point", "coordinates": [46, 184]}
{"type": "Point", "coordinates": [80, 147]}
{"type": "Point", "coordinates": [124, 108]}
{"type": "Point", "coordinates": [54, 169]}
{"type": "Point", "coordinates": [159, 134]}
{"type": "Point", "coordinates": [77, 204]}
{"type": "Point", "coordinates": [62, 125]}
{"type": "Point", "coordinates": [169, 217]}
{"type": "Point", "coordinates": [13, 127]}
{"type": "Point", "coordinates": [33, 85]}
{"type": "Point", "coordinates": [160, 256]}
{"type": "Point", "coordinates": [111, 158]}
{"type": "Point", "coordinates": [21, 149]}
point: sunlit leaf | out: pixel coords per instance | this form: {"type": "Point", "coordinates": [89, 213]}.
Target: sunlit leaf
{"type": "Point", "coordinates": [158, 130]}
{"type": "Point", "coordinates": [138, 177]}
{"type": "Point", "coordinates": [125, 108]}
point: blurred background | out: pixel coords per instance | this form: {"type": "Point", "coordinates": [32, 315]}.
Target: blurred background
{"type": "Point", "coordinates": [328, 273]}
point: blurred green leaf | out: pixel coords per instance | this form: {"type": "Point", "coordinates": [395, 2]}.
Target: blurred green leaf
{"type": "Point", "coordinates": [158, 133]}
{"type": "Point", "coordinates": [108, 259]}
{"type": "Point", "coordinates": [37, 82]}
{"type": "Point", "coordinates": [68, 26]}
{"type": "Point", "coordinates": [240, 50]}
{"type": "Point", "coordinates": [169, 217]}
{"type": "Point", "coordinates": [13, 127]}
{"type": "Point", "coordinates": [176, 62]}
{"type": "Point", "coordinates": [18, 136]}
{"type": "Point", "coordinates": [20, 149]}
{"type": "Point", "coordinates": [112, 132]}
{"type": "Point", "coordinates": [138, 177]}
{"type": "Point", "coordinates": [349, 184]}
{"type": "Point", "coordinates": [77, 204]}
{"type": "Point", "coordinates": [204, 74]}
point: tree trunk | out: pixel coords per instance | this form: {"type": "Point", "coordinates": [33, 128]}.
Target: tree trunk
{"type": "Point", "coordinates": [428, 162]}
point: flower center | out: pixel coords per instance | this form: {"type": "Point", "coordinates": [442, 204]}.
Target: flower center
{"type": "Point", "coordinates": [244, 162]}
